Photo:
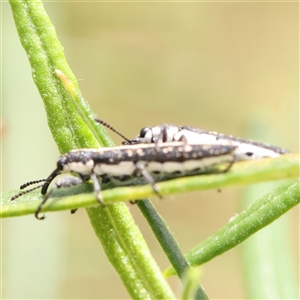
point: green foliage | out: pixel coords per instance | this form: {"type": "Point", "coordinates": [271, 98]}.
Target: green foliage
{"type": "Point", "coordinates": [71, 122]}
{"type": "Point", "coordinates": [256, 216]}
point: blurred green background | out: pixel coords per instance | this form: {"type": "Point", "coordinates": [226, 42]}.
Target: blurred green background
{"type": "Point", "coordinates": [217, 66]}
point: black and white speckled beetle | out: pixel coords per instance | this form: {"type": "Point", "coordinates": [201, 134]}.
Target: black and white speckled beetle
{"type": "Point", "coordinates": [134, 164]}
{"type": "Point", "coordinates": [245, 149]}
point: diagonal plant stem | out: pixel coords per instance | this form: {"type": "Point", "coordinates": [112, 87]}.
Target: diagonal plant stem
{"type": "Point", "coordinates": [273, 273]}
{"type": "Point", "coordinates": [255, 217]}
{"type": "Point", "coordinates": [67, 118]}
{"type": "Point", "coordinates": [269, 269]}
{"type": "Point", "coordinates": [169, 245]}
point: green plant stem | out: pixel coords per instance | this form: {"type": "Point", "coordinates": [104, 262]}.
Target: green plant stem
{"type": "Point", "coordinates": [71, 122]}
{"type": "Point", "coordinates": [268, 262]}
{"type": "Point", "coordinates": [190, 285]}
{"type": "Point", "coordinates": [168, 243]}
{"type": "Point", "coordinates": [129, 252]}
{"type": "Point", "coordinates": [261, 213]}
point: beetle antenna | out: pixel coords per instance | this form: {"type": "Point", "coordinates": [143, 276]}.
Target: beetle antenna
{"type": "Point", "coordinates": [25, 192]}
{"type": "Point", "coordinates": [25, 185]}
{"type": "Point", "coordinates": [113, 129]}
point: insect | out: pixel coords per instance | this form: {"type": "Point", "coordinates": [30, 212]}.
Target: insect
{"type": "Point", "coordinates": [245, 149]}
{"type": "Point", "coordinates": [134, 164]}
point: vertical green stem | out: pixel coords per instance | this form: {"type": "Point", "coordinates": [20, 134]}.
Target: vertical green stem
{"type": "Point", "coordinates": [168, 243]}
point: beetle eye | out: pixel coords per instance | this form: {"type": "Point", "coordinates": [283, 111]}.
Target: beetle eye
{"type": "Point", "coordinates": [144, 131]}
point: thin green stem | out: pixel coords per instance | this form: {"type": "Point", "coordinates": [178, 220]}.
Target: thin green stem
{"type": "Point", "coordinates": [269, 267]}
{"type": "Point", "coordinates": [169, 244]}
{"type": "Point", "coordinates": [255, 217]}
